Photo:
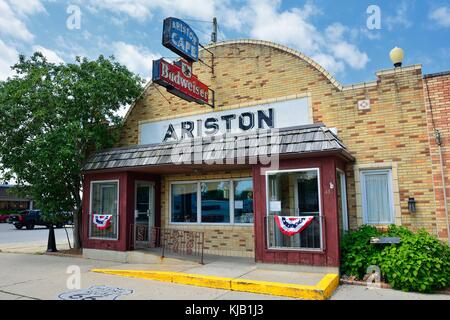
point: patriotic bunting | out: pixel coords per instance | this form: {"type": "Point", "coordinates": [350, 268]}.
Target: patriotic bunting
{"type": "Point", "coordinates": [102, 221]}
{"type": "Point", "coordinates": [290, 225]}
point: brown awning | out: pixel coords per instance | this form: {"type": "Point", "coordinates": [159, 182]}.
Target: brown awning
{"type": "Point", "coordinates": [294, 141]}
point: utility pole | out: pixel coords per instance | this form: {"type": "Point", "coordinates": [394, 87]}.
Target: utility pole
{"type": "Point", "coordinates": [214, 32]}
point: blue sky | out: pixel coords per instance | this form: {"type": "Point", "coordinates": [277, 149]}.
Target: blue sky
{"type": "Point", "coordinates": [334, 33]}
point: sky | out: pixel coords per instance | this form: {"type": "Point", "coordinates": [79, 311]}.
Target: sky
{"type": "Point", "coordinates": [349, 38]}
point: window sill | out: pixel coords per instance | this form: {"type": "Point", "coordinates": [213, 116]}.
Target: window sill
{"type": "Point", "coordinates": [300, 250]}
{"type": "Point", "coordinates": [212, 224]}
{"type": "Point", "coordinates": [103, 239]}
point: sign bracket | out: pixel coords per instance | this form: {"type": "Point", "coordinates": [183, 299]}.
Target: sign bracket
{"type": "Point", "coordinates": [213, 104]}
{"type": "Point", "coordinates": [212, 58]}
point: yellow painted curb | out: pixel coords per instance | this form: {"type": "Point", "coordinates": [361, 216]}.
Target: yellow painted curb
{"type": "Point", "coordinates": [277, 289]}
{"type": "Point", "coordinates": [328, 284]}
{"type": "Point", "coordinates": [321, 291]}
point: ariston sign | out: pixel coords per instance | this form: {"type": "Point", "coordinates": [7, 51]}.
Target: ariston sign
{"type": "Point", "coordinates": [280, 114]}
{"type": "Point", "coordinates": [178, 79]}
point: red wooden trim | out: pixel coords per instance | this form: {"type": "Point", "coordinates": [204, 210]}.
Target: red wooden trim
{"type": "Point", "coordinates": [329, 256]}
{"type": "Point", "coordinates": [126, 207]}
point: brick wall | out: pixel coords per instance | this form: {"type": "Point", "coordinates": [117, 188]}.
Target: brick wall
{"type": "Point", "coordinates": [437, 100]}
{"type": "Point", "coordinates": [393, 133]}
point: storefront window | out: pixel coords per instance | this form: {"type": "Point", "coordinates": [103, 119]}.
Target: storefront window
{"type": "Point", "coordinates": [215, 201]}
{"type": "Point", "coordinates": [184, 202]}
{"type": "Point", "coordinates": [243, 201]}
{"type": "Point", "coordinates": [104, 210]}
{"type": "Point", "coordinates": [220, 201]}
{"type": "Point", "coordinates": [294, 194]}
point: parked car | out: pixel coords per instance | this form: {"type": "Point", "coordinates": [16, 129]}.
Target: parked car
{"type": "Point", "coordinates": [31, 218]}
{"type": "Point", "coordinates": [4, 218]}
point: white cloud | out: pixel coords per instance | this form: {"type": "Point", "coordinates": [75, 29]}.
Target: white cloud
{"type": "Point", "coordinates": [51, 55]}
{"type": "Point", "coordinates": [289, 27]}
{"type": "Point", "coordinates": [27, 7]}
{"type": "Point", "coordinates": [142, 10]}
{"type": "Point", "coordinates": [344, 50]}
{"type": "Point", "coordinates": [11, 25]}
{"type": "Point", "coordinates": [137, 59]}
{"type": "Point", "coordinates": [329, 63]}
{"type": "Point", "coordinates": [8, 57]}
{"type": "Point", "coordinates": [441, 16]}
{"type": "Point", "coordinates": [266, 21]}
{"type": "Point", "coordinates": [400, 18]}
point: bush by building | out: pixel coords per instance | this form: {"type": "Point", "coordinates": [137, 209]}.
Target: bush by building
{"type": "Point", "coordinates": [420, 262]}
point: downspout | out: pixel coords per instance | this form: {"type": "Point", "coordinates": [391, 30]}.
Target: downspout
{"type": "Point", "coordinates": [437, 136]}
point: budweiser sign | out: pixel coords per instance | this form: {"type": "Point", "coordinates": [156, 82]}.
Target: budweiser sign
{"type": "Point", "coordinates": [178, 79]}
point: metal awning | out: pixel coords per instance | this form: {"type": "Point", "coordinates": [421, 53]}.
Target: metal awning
{"type": "Point", "coordinates": [294, 141]}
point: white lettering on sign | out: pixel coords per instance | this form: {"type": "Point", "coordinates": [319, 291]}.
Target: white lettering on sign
{"type": "Point", "coordinates": [272, 115]}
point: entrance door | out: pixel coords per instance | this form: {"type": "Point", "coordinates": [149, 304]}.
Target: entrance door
{"type": "Point", "coordinates": [144, 213]}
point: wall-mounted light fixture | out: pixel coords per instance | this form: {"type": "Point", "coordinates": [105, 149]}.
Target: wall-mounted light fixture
{"type": "Point", "coordinates": [396, 56]}
{"type": "Point", "coordinates": [411, 205]}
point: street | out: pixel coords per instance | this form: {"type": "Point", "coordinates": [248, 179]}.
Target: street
{"type": "Point", "coordinates": [30, 241]}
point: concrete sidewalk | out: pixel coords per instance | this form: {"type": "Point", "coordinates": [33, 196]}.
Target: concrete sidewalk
{"type": "Point", "coordinates": [28, 276]}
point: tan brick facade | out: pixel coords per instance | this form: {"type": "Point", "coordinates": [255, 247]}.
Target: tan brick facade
{"type": "Point", "coordinates": [437, 99]}
{"type": "Point", "coordinates": [393, 133]}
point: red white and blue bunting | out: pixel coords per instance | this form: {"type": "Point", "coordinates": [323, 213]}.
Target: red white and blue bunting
{"type": "Point", "coordinates": [290, 225]}
{"type": "Point", "coordinates": [102, 221]}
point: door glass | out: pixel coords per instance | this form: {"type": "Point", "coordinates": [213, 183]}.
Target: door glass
{"type": "Point", "coordinates": [143, 212]}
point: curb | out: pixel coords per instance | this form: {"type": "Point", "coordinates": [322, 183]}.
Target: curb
{"type": "Point", "coordinates": [321, 291]}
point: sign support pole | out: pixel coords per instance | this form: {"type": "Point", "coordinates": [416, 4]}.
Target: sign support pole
{"type": "Point", "coordinates": [212, 58]}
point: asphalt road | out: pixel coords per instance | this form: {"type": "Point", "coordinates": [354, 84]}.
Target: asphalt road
{"type": "Point", "coordinates": [38, 236]}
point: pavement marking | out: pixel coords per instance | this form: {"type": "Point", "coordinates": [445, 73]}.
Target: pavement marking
{"type": "Point", "coordinates": [95, 293]}
{"type": "Point", "coordinates": [321, 291]}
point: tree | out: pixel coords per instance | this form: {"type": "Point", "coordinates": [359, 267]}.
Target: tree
{"type": "Point", "coordinates": [52, 116]}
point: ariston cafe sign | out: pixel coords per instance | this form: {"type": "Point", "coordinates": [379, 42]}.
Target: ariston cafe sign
{"type": "Point", "coordinates": [177, 77]}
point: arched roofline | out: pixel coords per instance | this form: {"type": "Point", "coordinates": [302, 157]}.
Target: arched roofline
{"type": "Point", "coordinates": [283, 48]}
{"type": "Point", "coordinates": [269, 44]}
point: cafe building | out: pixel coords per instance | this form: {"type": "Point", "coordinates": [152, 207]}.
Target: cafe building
{"type": "Point", "coordinates": [281, 161]}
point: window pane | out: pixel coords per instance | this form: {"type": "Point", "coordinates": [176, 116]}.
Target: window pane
{"type": "Point", "coordinates": [308, 193]}
{"type": "Point", "coordinates": [243, 201]}
{"type": "Point", "coordinates": [294, 194]}
{"type": "Point", "coordinates": [215, 201]}
{"type": "Point", "coordinates": [377, 197]}
{"type": "Point", "coordinates": [104, 203]}
{"type": "Point", "coordinates": [184, 202]}
{"type": "Point", "coordinates": [142, 198]}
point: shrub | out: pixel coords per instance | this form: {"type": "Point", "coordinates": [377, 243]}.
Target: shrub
{"type": "Point", "coordinates": [420, 262]}
{"type": "Point", "coordinates": [357, 252]}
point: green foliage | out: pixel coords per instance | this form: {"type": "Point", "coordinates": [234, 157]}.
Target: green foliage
{"type": "Point", "coordinates": [356, 251]}
{"type": "Point", "coordinates": [52, 116]}
{"type": "Point", "coordinates": [419, 263]}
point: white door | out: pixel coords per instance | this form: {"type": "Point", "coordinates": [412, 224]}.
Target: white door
{"type": "Point", "coordinates": [144, 211]}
